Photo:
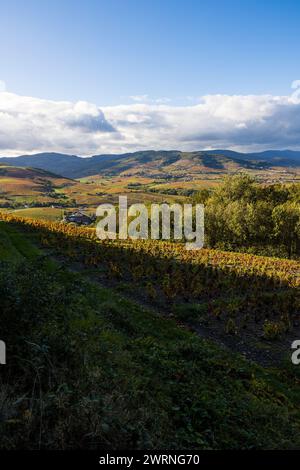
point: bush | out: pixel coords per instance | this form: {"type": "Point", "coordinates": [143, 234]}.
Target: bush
{"type": "Point", "coordinates": [273, 330]}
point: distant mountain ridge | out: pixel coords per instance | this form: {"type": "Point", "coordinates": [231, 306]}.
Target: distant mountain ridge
{"type": "Point", "coordinates": [156, 163]}
{"type": "Point", "coordinates": [276, 157]}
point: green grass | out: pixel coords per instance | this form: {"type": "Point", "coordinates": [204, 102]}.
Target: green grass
{"type": "Point", "coordinates": [87, 368]}
{"type": "Point", "coordinates": [8, 251]}
{"type": "Point", "coordinates": [48, 213]}
{"type": "Point", "coordinates": [15, 245]}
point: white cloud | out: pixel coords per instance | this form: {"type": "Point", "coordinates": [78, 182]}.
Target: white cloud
{"type": "Point", "coordinates": [251, 122]}
{"type": "Point", "coordinates": [2, 86]}
{"type": "Point", "coordinates": [295, 84]}
{"type": "Point", "coordinates": [140, 98]}
{"type": "Point", "coordinates": [147, 99]}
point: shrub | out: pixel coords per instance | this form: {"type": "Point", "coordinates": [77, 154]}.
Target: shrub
{"type": "Point", "coordinates": [273, 330]}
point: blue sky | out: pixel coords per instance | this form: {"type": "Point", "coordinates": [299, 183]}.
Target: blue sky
{"type": "Point", "coordinates": [94, 76]}
{"type": "Point", "coordinates": [105, 51]}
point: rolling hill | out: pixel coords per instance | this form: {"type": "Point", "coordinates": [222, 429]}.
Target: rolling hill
{"type": "Point", "coordinates": [155, 164]}
{"type": "Point", "coordinates": [274, 157]}
{"type": "Point", "coordinates": [20, 187]}
{"type": "Point", "coordinates": [29, 183]}
{"type": "Point", "coordinates": [40, 193]}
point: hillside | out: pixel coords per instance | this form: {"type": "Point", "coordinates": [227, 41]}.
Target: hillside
{"type": "Point", "coordinates": [29, 185]}
{"type": "Point", "coordinates": [165, 164]}
{"type": "Point", "coordinates": [23, 187]}
{"type": "Point", "coordinates": [33, 190]}
{"type": "Point", "coordinates": [116, 371]}
{"type": "Point", "coordinates": [272, 157]}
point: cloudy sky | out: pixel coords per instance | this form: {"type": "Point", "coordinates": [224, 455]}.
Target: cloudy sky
{"type": "Point", "coordinates": [249, 122]}
{"type": "Point", "coordinates": [122, 75]}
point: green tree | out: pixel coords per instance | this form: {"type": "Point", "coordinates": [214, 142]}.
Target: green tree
{"type": "Point", "coordinates": [286, 218]}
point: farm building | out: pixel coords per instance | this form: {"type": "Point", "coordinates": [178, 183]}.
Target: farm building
{"type": "Point", "coordinates": [79, 218]}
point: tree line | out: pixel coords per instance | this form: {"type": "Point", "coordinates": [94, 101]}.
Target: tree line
{"type": "Point", "coordinates": [243, 215]}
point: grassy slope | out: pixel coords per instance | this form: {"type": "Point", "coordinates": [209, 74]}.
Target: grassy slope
{"type": "Point", "coordinates": [250, 303]}
{"type": "Point", "coordinates": [91, 369]}
{"type": "Point", "coordinates": [47, 213]}
{"type": "Point", "coordinates": [14, 246]}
